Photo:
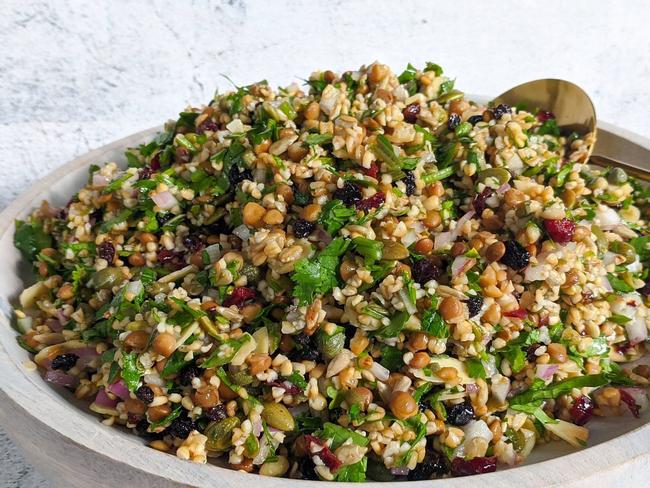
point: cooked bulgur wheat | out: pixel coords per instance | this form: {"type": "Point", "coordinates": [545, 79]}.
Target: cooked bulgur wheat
{"type": "Point", "coordinates": [371, 277]}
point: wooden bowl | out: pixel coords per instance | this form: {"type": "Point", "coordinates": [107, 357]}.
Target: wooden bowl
{"type": "Point", "coordinates": [68, 443]}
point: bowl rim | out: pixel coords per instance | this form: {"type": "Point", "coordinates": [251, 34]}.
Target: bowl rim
{"type": "Point", "coordinates": [22, 389]}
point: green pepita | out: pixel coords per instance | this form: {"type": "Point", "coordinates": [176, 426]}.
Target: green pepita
{"type": "Point", "coordinates": [278, 417]}
{"type": "Point", "coordinates": [219, 434]}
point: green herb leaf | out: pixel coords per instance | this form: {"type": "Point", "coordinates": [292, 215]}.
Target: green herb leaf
{"type": "Point", "coordinates": [316, 139]}
{"type": "Point", "coordinates": [391, 358]}
{"type": "Point", "coordinates": [335, 216]}
{"type": "Point", "coordinates": [619, 284]}
{"type": "Point", "coordinates": [434, 324]}
{"type": "Point", "coordinates": [174, 364]}
{"type": "Point", "coordinates": [30, 239]}
{"type": "Point", "coordinates": [370, 249]}
{"type": "Point", "coordinates": [131, 371]}
{"type": "Point", "coordinates": [396, 325]}
{"type": "Point", "coordinates": [339, 435]}
{"type": "Point", "coordinates": [475, 368]}
{"type": "Point", "coordinates": [355, 473]}
{"type": "Point", "coordinates": [167, 420]}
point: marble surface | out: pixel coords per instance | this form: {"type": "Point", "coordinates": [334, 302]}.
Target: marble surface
{"type": "Point", "coordinates": [78, 74]}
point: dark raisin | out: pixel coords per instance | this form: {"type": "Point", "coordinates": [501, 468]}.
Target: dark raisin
{"type": "Point", "coordinates": [208, 124]}
{"type": "Point", "coordinates": [477, 465]}
{"type": "Point", "coordinates": [409, 182]}
{"type": "Point", "coordinates": [454, 121]}
{"type": "Point", "coordinates": [582, 410]}
{"type": "Point", "coordinates": [475, 119]}
{"type": "Point", "coordinates": [193, 243]}
{"type": "Point", "coordinates": [307, 469]}
{"type": "Point", "coordinates": [411, 112]}
{"type": "Point", "coordinates": [96, 216]}
{"type": "Point", "coordinates": [163, 218]}
{"type": "Point", "coordinates": [302, 228]}
{"type": "Point", "coordinates": [145, 173]}
{"type": "Point", "coordinates": [188, 373]}
{"type": "Point", "coordinates": [181, 427]}
{"type": "Point", "coordinates": [349, 194]}
{"type": "Point", "coordinates": [424, 271]}
{"type": "Point", "coordinates": [216, 413]}
{"type": "Point", "coordinates": [530, 352]}
{"type": "Point", "coordinates": [480, 201]}
{"type": "Point", "coordinates": [64, 362]}
{"type": "Point", "coordinates": [501, 110]}
{"type": "Point", "coordinates": [141, 428]}
{"type": "Point", "coordinates": [235, 176]}
{"type": "Point", "coordinates": [183, 155]}
{"type": "Point", "coordinates": [174, 259]}
{"type": "Point", "coordinates": [460, 414]}
{"type": "Point", "coordinates": [645, 290]}
{"type": "Point", "coordinates": [433, 465]}
{"type": "Point", "coordinates": [305, 348]}
{"type": "Point", "coordinates": [155, 161]}
{"type": "Point", "coordinates": [106, 251]}
{"type": "Point", "coordinates": [474, 304]}
{"type": "Point", "coordinates": [144, 394]}
{"type": "Point", "coordinates": [515, 256]}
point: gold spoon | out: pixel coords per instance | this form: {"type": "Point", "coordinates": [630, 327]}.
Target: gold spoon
{"type": "Point", "coordinates": [573, 110]}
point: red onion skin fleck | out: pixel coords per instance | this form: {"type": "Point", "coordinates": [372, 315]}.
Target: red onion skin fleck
{"type": "Point", "coordinates": [325, 454]}
{"type": "Point", "coordinates": [520, 313]}
{"type": "Point", "coordinates": [372, 202]}
{"type": "Point", "coordinates": [629, 401]}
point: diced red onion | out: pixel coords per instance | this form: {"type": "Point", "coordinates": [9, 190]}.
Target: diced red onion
{"type": "Point", "coordinates": [164, 200]}
{"type": "Point", "coordinates": [636, 329]}
{"type": "Point", "coordinates": [546, 371]}
{"type": "Point", "coordinates": [379, 371]}
{"type": "Point", "coordinates": [445, 238]}
{"type": "Point", "coordinates": [638, 395]}
{"type": "Point", "coordinates": [84, 352]}
{"type": "Point", "coordinates": [119, 389]}
{"type": "Point", "coordinates": [54, 325]}
{"type": "Point", "coordinates": [503, 188]}
{"type": "Point", "coordinates": [472, 388]}
{"type": "Point", "coordinates": [103, 400]}
{"type": "Point", "coordinates": [461, 264]}
{"type": "Point", "coordinates": [99, 180]}
{"type": "Point", "coordinates": [61, 378]}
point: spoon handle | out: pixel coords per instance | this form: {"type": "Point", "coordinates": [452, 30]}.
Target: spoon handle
{"type": "Point", "coordinates": [631, 169]}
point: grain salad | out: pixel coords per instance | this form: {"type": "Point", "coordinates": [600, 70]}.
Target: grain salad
{"type": "Point", "coordinates": [367, 277]}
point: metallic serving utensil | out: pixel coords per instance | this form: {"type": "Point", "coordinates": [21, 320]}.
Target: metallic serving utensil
{"type": "Point", "coordinates": [574, 111]}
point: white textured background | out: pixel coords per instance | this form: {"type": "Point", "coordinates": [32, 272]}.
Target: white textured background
{"type": "Point", "coordinates": [75, 75]}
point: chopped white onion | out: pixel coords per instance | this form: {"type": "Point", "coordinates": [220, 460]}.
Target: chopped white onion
{"type": "Point", "coordinates": [242, 232]}
{"type": "Point", "coordinates": [607, 217]}
{"type": "Point", "coordinates": [640, 397]}
{"type": "Point", "coordinates": [214, 252]}
{"type": "Point", "coordinates": [133, 289]}
{"type": "Point", "coordinates": [408, 305]}
{"type": "Point", "coordinates": [461, 264]}
{"type": "Point", "coordinates": [379, 371]}
{"type": "Point", "coordinates": [410, 237]}
{"type": "Point", "coordinates": [445, 238]}
{"type": "Point", "coordinates": [164, 199]}
{"type": "Point", "coordinates": [637, 330]}
{"type": "Point", "coordinates": [153, 379]}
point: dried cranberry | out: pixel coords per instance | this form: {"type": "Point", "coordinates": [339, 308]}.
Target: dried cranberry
{"type": "Point", "coordinates": [106, 251]}
{"type": "Point", "coordinates": [582, 410]}
{"type": "Point", "coordinates": [433, 463]}
{"type": "Point", "coordinates": [208, 124]}
{"type": "Point", "coordinates": [373, 171]}
{"type": "Point", "coordinates": [477, 465]}
{"type": "Point", "coordinates": [349, 194]}
{"type": "Point", "coordinates": [239, 296]}
{"type": "Point", "coordinates": [474, 304]}
{"type": "Point", "coordinates": [501, 110]}
{"type": "Point", "coordinates": [325, 455]}
{"type": "Point", "coordinates": [374, 201]}
{"type": "Point", "coordinates": [460, 414]}
{"type": "Point", "coordinates": [630, 402]}
{"type": "Point", "coordinates": [475, 119]}
{"type": "Point", "coordinates": [181, 427]}
{"type": "Point", "coordinates": [561, 231]}
{"type": "Point", "coordinates": [520, 313]}
{"type": "Point", "coordinates": [144, 394]}
{"type": "Point", "coordinates": [516, 256]}
{"type": "Point", "coordinates": [155, 161]}
{"type": "Point", "coordinates": [193, 243]}
{"type": "Point", "coordinates": [544, 115]}
{"type": "Point", "coordinates": [454, 121]}
{"type": "Point", "coordinates": [480, 201]}
{"type": "Point", "coordinates": [409, 182]}
{"type": "Point", "coordinates": [424, 271]}
{"type": "Point", "coordinates": [411, 112]}
{"type": "Point", "coordinates": [64, 362]}
{"type": "Point", "coordinates": [173, 259]}
{"type": "Point", "coordinates": [302, 228]}
{"type": "Point", "coordinates": [216, 413]}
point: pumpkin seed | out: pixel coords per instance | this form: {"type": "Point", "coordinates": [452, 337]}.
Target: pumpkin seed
{"type": "Point", "coordinates": [107, 278]}
{"type": "Point", "coordinates": [219, 434]}
{"type": "Point", "coordinates": [501, 175]}
{"type": "Point", "coordinates": [278, 416]}
{"type": "Point", "coordinates": [394, 251]}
